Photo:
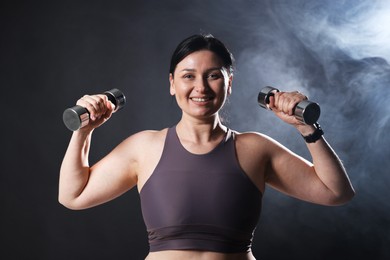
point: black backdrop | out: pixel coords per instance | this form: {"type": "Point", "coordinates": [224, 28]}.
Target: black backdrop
{"type": "Point", "coordinates": [53, 52]}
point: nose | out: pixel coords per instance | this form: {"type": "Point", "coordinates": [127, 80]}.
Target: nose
{"type": "Point", "coordinates": [201, 85]}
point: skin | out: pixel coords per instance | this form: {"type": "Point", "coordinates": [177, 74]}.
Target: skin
{"type": "Point", "coordinates": [201, 85]}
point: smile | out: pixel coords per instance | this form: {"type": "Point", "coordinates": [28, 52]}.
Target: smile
{"type": "Point", "coordinates": [204, 99]}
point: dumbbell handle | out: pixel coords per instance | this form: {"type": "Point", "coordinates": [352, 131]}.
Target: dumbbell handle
{"type": "Point", "coordinates": [77, 117]}
{"type": "Point", "coordinates": [305, 111]}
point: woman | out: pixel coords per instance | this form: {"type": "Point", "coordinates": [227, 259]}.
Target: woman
{"type": "Point", "coordinates": [201, 183]}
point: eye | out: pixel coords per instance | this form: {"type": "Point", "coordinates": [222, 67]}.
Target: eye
{"type": "Point", "coordinates": [188, 76]}
{"type": "Point", "coordinates": [214, 76]}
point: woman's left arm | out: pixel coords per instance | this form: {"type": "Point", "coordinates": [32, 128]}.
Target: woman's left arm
{"type": "Point", "coordinates": [324, 181]}
{"type": "Point", "coordinates": [329, 168]}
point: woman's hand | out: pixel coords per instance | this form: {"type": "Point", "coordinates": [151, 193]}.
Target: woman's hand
{"type": "Point", "coordinates": [283, 105]}
{"type": "Point", "coordinates": [100, 110]}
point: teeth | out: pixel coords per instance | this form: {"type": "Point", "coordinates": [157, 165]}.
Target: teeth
{"type": "Point", "coordinates": [200, 99]}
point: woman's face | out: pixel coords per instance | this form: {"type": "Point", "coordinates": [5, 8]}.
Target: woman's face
{"type": "Point", "coordinates": [200, 84]}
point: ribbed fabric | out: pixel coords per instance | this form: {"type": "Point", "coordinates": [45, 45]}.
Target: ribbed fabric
{"type": "Point", "coordinates": [200, 202]}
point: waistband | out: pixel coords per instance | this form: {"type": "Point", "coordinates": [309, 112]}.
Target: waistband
{"type": "Point", "coordinates": [200, 237]}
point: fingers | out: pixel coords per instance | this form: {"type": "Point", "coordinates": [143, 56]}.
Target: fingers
{"type": "Point", "coordinates": [97, 106]}
{"type": "Point", "coordinates": [286, 101]}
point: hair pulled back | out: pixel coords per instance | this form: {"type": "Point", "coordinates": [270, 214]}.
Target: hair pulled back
{"type": "Point", "coordinates": [199, 42]}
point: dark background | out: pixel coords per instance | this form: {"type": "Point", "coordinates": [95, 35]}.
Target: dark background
{"type": "Point", "coordinates": [52, 53]}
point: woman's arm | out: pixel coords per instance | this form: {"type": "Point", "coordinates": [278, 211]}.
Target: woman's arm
{"type": "Point", "coordinates": [74, 172]}
{"type": "Point", "coordinates": [324, 181]}
{"type": "Point", "coordinates": [82, 186]}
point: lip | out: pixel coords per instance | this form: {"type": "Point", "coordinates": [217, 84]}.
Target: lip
{"type": "Point", "coordinates": [201, 99]}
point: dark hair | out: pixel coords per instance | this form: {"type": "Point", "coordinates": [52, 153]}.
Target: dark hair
{"type": "Point", "coordinates": [202, 42]}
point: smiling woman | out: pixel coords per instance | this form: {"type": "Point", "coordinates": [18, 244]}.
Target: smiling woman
{"type": "Point", "coordinates": [201, 74]}
{"type": "Point", "coordinates": [201, 183]}
{"type": "Point", "coordinates": [201, 84]}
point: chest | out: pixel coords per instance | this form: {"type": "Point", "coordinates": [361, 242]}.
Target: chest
{"type": "Point", "coordinates": [188, 188]}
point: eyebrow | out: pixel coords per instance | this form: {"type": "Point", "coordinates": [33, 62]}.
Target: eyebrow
{"type": "Point", "coordinates": [211, 69]}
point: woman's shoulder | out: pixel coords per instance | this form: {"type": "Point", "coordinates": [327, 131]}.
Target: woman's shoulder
{"type": "Point", "coordinates": [251, 136]}
{"type": "Point", "coordinates": [147, 137]}
{"type": "Point", "coordinates": [255, 140]}
{"type": "Point", "coordinates": [143, 141]}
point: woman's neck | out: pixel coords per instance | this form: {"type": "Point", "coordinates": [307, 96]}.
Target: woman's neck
{"type": "Point", "coordinates": [200, 131]}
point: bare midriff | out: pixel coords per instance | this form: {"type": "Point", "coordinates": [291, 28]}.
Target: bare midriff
{"type": "Point", "coordinates": [197, 255]}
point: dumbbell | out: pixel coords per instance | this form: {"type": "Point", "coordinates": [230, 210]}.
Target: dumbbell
{"type": "Point", "coordinates": [77, 117]}
{"type": "Point", "coordinates": [305, 111]}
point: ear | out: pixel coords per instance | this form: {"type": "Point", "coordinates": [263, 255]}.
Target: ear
{"type": "Point", "coordinates": [230, 82]}
{"type": "Point", "coordinates": [172, 90]}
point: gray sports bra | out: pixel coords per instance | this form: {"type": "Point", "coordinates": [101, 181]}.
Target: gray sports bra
{"type": "Point", "coordinates": [200, 202]}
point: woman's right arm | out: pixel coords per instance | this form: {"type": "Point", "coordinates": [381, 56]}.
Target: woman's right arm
{"type": "Point", "coordinates": [82, 186]}
{"type": "Point", "coordinates": [74, 173]}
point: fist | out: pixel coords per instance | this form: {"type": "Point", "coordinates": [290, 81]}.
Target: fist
{"type": "Point", "coordinates": [99, 108]}
{"type": "Point", "coordinates": [283, 105]}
